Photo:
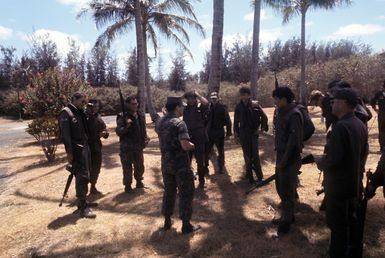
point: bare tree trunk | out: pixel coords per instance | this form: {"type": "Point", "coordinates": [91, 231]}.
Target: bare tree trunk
{"type": "Point", "coordinates": [150, 107]}
{"type": "Point", "coordinates": [140, 54]}
{"type": "Point", "coordinates": [216, 47]}
{"type": "Point", "coordinates": [302, 88]}
{"type": "Point", "coordinates": [255, 51]}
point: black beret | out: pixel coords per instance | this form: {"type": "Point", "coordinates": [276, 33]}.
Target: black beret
{"type": "Point", "coordinates": [347, 94]}
{"type": "Point", "coordinates": [174, 100]}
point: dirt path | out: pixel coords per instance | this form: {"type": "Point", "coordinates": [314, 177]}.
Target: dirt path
{"type": "Point", "coordinates": [129, 225]}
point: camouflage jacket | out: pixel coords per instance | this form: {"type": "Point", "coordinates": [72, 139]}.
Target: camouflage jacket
{"type": "Point", "coordinates": [171, 130]}
{"type": "Point", "coordinates": [133, 137]}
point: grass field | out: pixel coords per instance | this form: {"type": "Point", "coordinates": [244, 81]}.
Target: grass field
{"type": "Point", "coordinates": [129, 225]}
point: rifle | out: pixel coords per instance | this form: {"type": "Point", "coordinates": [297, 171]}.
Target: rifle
{"type": "Point", "coordinates": [305, 160]}
{"type": "Point", "coordinates": [124, 112]}
{"type": "Point", "coordinates": [69, 180]}
{"type": "Point", "coordinates": [361, 215]}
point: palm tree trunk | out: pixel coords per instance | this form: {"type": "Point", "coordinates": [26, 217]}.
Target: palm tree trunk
{"type": "Point", "coordinates": [141, 59]}
{"type": "Point", "coordinates": [302, 88]}
{"type": "Point", "coordinates": [255, 51]}
{"type": "Point", "coordinates": [216, 47]}
{"type": "Point", "coordinates": [150, 107]}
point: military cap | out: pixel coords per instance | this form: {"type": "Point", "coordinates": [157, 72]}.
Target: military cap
{"type": "Point", "coordinates": [348, 95]}
{"type": "Point", "coordinates": [174, 100]}
{"type": "Point", "coordinates": [189, 94]}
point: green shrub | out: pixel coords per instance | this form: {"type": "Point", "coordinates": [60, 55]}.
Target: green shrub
{"type": "Point", "coordinates": [44, 98]}
{"type": "Point", "coordinates": [45, 131]}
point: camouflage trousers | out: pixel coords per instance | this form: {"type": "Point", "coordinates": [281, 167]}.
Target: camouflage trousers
{"type": "Point", "coordinates": [132, 160]}
{"type": "Point", "coordinates": [286, 185]}
{"type": "Point", "coordinates": [183, 181]}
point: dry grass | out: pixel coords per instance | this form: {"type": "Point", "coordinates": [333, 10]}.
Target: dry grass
{"type": "Point", "coordinates": [129, 225]}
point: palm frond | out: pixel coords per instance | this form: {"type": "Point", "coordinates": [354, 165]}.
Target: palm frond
{"type": "Point", "coordinates": [171, 19]}
{"type": "Point", "coordinates": [152, 36]}
{"type": "Point", "coordinates": [288, 12]}
{"type": "Point", "coordinates": [183, 6]}
{"type": "Point", "coordinates": [113, 31]}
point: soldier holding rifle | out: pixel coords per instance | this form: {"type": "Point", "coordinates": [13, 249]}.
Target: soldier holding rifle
{"type": "Point", "coordinates": [74, 134]}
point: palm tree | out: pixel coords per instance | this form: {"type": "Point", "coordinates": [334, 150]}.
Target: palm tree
{"type": "Point", "coordinates": [255, 50]}
{"type": "Point", "coordinates": [216, 47]}
{"type": "Point", "coordinates": [289, 8]}
{"type": "Point", "coordinates": [140, 53]}
{"type": "Point", "coordinates": [157, 17]}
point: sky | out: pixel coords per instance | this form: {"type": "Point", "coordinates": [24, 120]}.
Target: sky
{"type": "Point", "coordinates": [363, 21]}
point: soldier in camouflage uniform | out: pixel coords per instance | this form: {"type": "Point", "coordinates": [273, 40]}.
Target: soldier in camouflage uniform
{"type": "Point", "coordinates": [133, 139]}
{"type": "Point", "coordinates": [378, 104]}
{"type": "Point", "coordinates": [74, 134]}
{"type": "Point", "coordinates": [177, 175]}
{"type": "Point", "coordinates": [194, 115]}
{"type": "Point", "coordinates": [97, 129]}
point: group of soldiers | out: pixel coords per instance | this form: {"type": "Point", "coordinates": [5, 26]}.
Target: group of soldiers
{"type": "Point", "coordinates": [203, 125]}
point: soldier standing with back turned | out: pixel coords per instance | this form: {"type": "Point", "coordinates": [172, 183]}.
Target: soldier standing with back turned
{"type": "Point", "coordinates": [175, 144]}
{"type": "Point", "coordinates": [133, 139]}
{"type": "Point", "coordinates": [74, 134]}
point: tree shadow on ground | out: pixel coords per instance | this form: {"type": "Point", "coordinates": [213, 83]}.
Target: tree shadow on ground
{"type": "Point", "coordinates": [35, 165]}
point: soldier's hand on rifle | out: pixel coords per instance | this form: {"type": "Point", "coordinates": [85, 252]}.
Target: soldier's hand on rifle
{"type": "Point", "coordinates": [70, 158]}
{"type": "Point", "coordinates": [128, 122]}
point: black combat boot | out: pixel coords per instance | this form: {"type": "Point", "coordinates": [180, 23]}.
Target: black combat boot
{"type": "Point", "coordinates": [94, 191]}
{"type": "Point", "coordinates": [167, 223]}
{"type": "Point", "coordinates": [139, 184]}
{"type": "Point", "coordinates": [85, 212]}
{"type": "Point", "coordinates": [220, 168]}
{"type": "Point", "coordinates": [283, 228]}
{"type": "Point", "coordinates": [128, 189]}
{"type": "Point", "coordinates": [188, 228]}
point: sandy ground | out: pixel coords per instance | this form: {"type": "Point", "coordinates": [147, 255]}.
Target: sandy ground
{"type": "Point", "coordinates": [129, 225]}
